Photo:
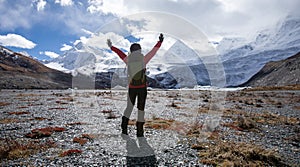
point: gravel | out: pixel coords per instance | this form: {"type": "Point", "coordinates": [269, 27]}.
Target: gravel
{"type": "Point", "coordinates": [82, 112]}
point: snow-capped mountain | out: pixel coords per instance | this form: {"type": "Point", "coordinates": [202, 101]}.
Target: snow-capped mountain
{"type": "Point", "coordinates": [227, 44]}
{"type": "Point", "coordinates": [96, 62]}
{"type": "Point", "coordinates": [241, 58]}
{"type": "Point", "coordinates": [72, 59]}
{"type": "Point", "coordinates": [244, 61]}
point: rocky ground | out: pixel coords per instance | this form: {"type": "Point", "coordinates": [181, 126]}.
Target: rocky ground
{"type": "Point", "coordinates": [184, 127]}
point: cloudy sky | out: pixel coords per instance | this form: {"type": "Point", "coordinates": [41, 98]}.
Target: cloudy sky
{"type": "Point", "coordinates": [47, 28]}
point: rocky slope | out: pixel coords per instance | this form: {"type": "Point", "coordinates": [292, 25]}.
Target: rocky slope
{"type": "Point", "coordinates": [278, 73]}
{"type": "Point", "coordinates": [22, 72]}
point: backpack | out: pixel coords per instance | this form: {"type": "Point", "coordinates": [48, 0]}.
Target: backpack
{"type": "Point", "coordinates": [136, 69]}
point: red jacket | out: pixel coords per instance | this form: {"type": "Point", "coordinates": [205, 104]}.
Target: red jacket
{"type": "Point", "coordinates": [147, 58]}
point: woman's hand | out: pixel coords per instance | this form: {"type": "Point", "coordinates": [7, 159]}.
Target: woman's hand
{"type": "Point", "coordinates": [109, 43]}
{"type": "Point", "coordinates": [161, 37]}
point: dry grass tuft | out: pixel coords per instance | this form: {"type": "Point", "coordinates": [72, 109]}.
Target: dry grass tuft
{"type": "Point", "coordinates": [88, 136]}
{"type": "Point", "coordinates": [106, 111]}
{"type": "Point", "coordinates": [236, 154]}
{"type": "Point", "coordinates": [245, 123]}
{"type": "Point", "coordinates": [41, 118]}
{"type": "Point", "coordinates": [68, 99]}
{"type": "Point", "coordinates": [242, 123]}
{"type": "Point", "coordinates": [14, 149]}
{"type": "Point", "coordinates": [76, 123]}
{"type": "Point", "coordinates": [61, 102]}
{"type": "Point", "coordinates": [249, 120]}
{"type": "Point", "coordinates": [174, 105]}
{"type": "Point", "coordinates": [112, 116]}
{"type": "Point", "coordinates": [203, 110]}
{"type": "Point", "coordinates": [159, 123]}
{"type": "Point", "coordinates": [57, 108]}
{"type": "Point", "coordinates": [84, 138]}
{"type": "Point", "coordinates": [4, 104]}
{"type": "Point", "coordinates": [44, 132]}
{"type": "Point", "coordinates": [70, 152]}
{"type": "Point", "coordinates": [9, 120]}
{"type": "Point", "coordinates": [18, 112]}
{"type": "Point", "coordinates": [80, 140]}
{"type": "Point", "coordinates": [275, 119]}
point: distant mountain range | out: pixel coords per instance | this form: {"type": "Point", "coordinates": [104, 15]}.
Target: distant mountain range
{"type": "Point", "coordinates": [18, 71]}
{"type": "Point", "coordinates": [241, 59]}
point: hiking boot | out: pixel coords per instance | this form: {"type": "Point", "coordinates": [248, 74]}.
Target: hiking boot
{"type": "Point", "coordinates": [140, 129]}
{"type": "Point", "coordinates": [124, 125]}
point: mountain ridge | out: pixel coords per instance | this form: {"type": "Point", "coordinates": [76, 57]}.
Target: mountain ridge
{"type": "Point", "coordinates": [22, 72]}
{"type": "Point", "coordinates": [278, 73]}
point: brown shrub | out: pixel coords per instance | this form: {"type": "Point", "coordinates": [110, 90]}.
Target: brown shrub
{"type": "Point", "coordinates": [61, 102]}
{"type": "Point", "coordinates": [106, 111]}
{"type": "Point", "coordinates": [75, 123]}
{"type": "Point", "coordinates": [44, 132]}
{"type": "Point", "coordinates": [88, 136]}
{"type": "Point", "coordinates": [18, 113]}
{"type": "Point", "coordinates": [70, 152]}
{"type": "Point", "coordinates": [4, 104]}
{"type": "Point", "coordinates": [22, 107]}
{"type": "Point", "coordinates": [41, 118]}
{"type": "Point", "coordinates": [80, 140]}
{"type": "Point", "coordinates": [57, 108]}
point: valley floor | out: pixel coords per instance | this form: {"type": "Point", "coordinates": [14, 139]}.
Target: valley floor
{"type": "Point", "coordinates": [183, 127]}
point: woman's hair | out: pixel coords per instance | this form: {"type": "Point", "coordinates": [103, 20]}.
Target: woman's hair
{"type": "Point", "coordinates": [135, 47]}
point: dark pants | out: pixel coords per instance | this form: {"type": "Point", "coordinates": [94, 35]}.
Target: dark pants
{"type": "Point", "coordinates": [133, 93]}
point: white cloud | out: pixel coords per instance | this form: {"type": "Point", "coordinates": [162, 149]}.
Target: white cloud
{"type": "Point", "coordinates": [15, 15]}
{"type": "Point", "coordinates": [99, 40]}
{"type": "Point", "coordinates": [16, 40]}
{"type": "Point", "coordinates": [82, 39]}
{"type": "Point", "coordinates": [87, 31]}
{"type": "Point", "coordinates": [64, 2]}
{"type": "Point", "coordinates": [50, 54]}
{"type": "Point", "coordinates": [109, 6]}
{"type": "Point", "coordinates": [215, 17]}
{"type": "Point", "coordinates": [41, 5]}
{"type": "Point", "coordinates": [65, 47]}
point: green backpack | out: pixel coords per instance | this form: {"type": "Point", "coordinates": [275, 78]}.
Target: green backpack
{"type": "Point", "coordinates": [136, 69]}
